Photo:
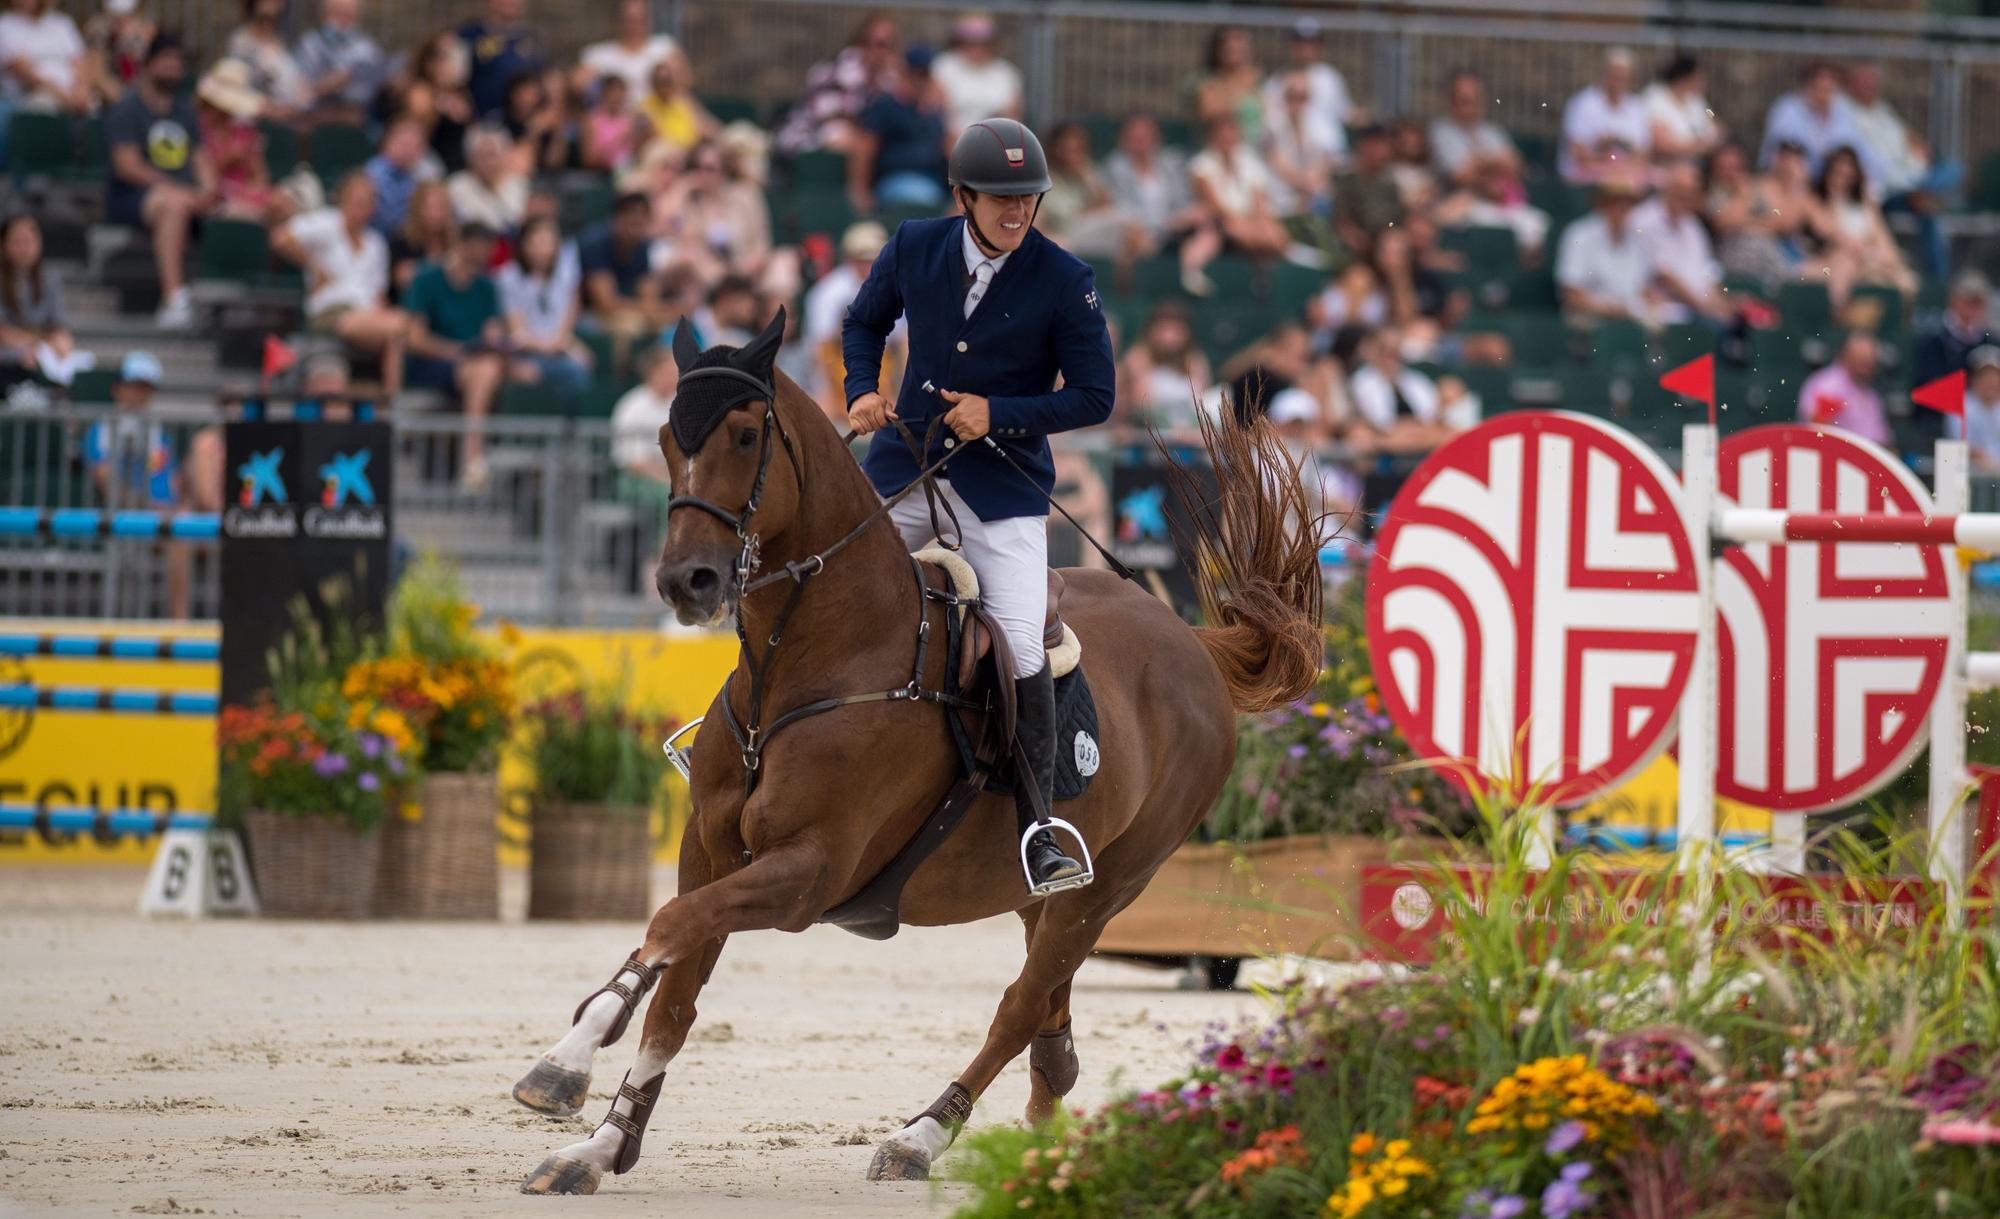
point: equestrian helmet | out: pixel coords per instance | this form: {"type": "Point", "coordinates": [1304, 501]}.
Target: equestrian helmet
{"type": "Point", "coordinates": [999, 157]}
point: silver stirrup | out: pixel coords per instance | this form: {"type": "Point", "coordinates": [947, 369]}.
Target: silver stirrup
{"type": "Point", "coordinates": [1067, 883]}
{"type": "Point", "coordinates": [679, 757]}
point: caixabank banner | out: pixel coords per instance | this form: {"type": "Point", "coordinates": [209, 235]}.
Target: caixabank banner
{"type": "Point", "coordinates": [308, 514]}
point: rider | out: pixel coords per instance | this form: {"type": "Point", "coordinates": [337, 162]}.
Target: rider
{"type": "Point", "coordinates": [997, 314]}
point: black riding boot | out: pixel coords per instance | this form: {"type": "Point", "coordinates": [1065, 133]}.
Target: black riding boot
{"type": "Point", "coordinates": [1035, 696]}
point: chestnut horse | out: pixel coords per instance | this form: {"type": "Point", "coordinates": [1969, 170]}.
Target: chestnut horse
{"type": "Point", "coordinates": [840, 794]}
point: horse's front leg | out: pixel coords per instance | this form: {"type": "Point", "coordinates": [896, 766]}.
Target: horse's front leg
{"type": "Point", "coordinates": [682, 943]}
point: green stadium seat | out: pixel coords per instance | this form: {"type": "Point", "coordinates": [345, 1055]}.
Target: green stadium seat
{"type": "Point", "coordinates": [599, 400]}
{"type": "Point", "coordinates": [281, 149]}
{"type": "Point", "coordinates": [44, 146]}
{"type": "Point", "coordinates": [1103, 130]}
{"type": "Point", "coordinates": [1293, 287]}
{"type": "Point", "coordinates": [1489, 251]}
{"type": "Point", "coordinates": [1805, 306]}
{"type": "Point", "coordinates": [92, 387]}
{"type": "Point", "coordinates": [1537, 151]}
{"type": "Point", "coordinates": [599, 344]}
{"type": "Point", "coordinates": [584, 204]}
{"type": "Point", "coordinates": [1178, 133]}
{"type": "Point", "coordinates": [1986, 184]}
{"type": "Point", "coordinates": [1540, 340]}
{"type": "Point", "coordinates": [338, 149]}
{"type": "Point", "coordinates": [518, 399]}
{"type": "Point", "coordinates": [818, 169]}
{"type": "Point", "coordinates": [892, 216]}
{"type": "Point", "coordinates": [731, 109]}
{"type": "Point", "coordinates": [1619, 347]}
{"type": "Point", "coordinates": [1493, 385]}
{"type": "Point", "coordinates": [1687, 341]}
{"type": "Point", "coordinates": [236, 250]}
{"type": "Point", "coordinates": [820, 209]}
{"type": "Point", "coordinates": [1534, 291]}
{"type": "Point", "coordinates": [1156, 277]}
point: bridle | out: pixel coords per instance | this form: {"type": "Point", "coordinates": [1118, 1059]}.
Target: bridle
{"type": "Point", "coordinates": [747, 554]}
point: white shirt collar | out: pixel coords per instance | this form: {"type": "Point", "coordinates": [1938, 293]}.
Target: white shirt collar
{"type": "Point", "coordinates": [974, 255]}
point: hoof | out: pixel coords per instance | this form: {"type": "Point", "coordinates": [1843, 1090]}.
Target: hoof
{"type": "Point", "coordinates": [895, 1162]}
{"type": "Point", "coordinates": [549, 1088]}
{"type": "Point", "coordinates": [559, 1176]}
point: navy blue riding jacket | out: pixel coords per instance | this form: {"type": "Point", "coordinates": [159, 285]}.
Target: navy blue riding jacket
{"type": "Point", "coordinates": [1039, 318]}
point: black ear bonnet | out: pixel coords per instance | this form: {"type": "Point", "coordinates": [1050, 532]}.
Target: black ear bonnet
{"type": "Point", "coordinates": [717, 381]}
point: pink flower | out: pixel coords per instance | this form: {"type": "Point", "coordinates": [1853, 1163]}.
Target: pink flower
{"type": "Point", "coordinates": [1278, 1077]}
{"type": "Point", "coordinates": [1231, 1059]}
{"type": "Point", "coordinates": [1963, 1132]}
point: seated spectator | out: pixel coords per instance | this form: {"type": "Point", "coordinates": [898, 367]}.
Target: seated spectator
{"type": "Point", "coordinates": [1296, 148]}
{"type": "Point", "coordinates": [714, 220]}
{"type": "Point", "coordinates": [160, 174]}
{"type": "Point", "coordinates": [1231, 85]}
{"type": "Point", "coordinates": [1605, 128]}
{"type": "Point", "coordinates": [117, 39]}
{"type": "Point", "coordinates": [1411, 167]}
{"type": "Point", "coordinates": [1683, 125]}
{"type": "Point", "coordinates": [1152, 180]}
{"type": "Point", "coordinates": [826, 309]}
{"type": "Point", "coordinates": [132, 464]}
{"type": "Point", "coordinates": [403, 165]}
{"type": "Point", "coordinates": [1353, 297]}
{"type": "Point", "coordinates": [1979, 423]}
{"type": "Point", "coordinates": [434, 97]}
{"type": "Point", "coordinates": [1816, 118]}
{"type": "Point", "coordinates": [326, 389]}
{"type": "Point", "coordinates": [613, 133]}
{"type": "Point", "coordinates": [44, 61]}
{"type": "Point", "coordinates": [1164, 376]}
{"type": "Point", "coordinates": [975, 81]}
{"type": "Point", "coordinates": [1965, 324]}
{"type": "Point", "coordinates": [1685, 276]}
{"type": "Point", "coordinates": [1367, 208]}
{"type": "Point", "coordinates": [733, 314]}
{"type": "Point", "coordinates": [1465, 142]}
{"type": "Point", "coordinates": [1843, 393]}
{"type": "Point", "coordinates": [1602, 269]}
{"type": "Point", "coordinates": [427, 233]}
{"type": "Point", "coordinates": [1849, 223]}
{"type": "Point", "coordinates": [637, 421]}
{"type": "Point", "coordinates": [457, 335]}
{"type": "Point", "coordinates": [1079, 212]}
{"type": "Point", "coordinates": [1495, 200]}
{"type": "Point", "coordinates": [499, 47]}
{"type": "Point", "coordinates": [1908, 181]}
{"type": "Point", "coordinates": [536, 119]}
{"type": "Point", "coordinates": [346, 262]}
{"type": "Point", "coordinates": [828, 113]}
{"type": "Point", "coordinates": [1330, 109]}
{"type": "Point", "coordinates": [631, 54]}
{"type": "Point", "coordinates": [491, 190]}
{"type": "Point", "coordinates": [34, 329]}
{"type": "Point", "coordinates": [897, 157]}
{"type": "Point", "coordinates": [678, 120]}
{"type": "Point", "coordinates": [539, 294]}
{"type": "Point", "coordinates": [1757, 232]}
{"type": "Point", "coordinates": [621, 296]}
{"type": "Point", "coordinates": [1400, 410]}
{"type": "Point", "coordinates": [342, 64]}
{"type": "Point", "coordinates": [1234, 191]}
{"type": "Point", "coordinates": [229, 108]}
{"type": "Point", "coordinates": [259, 43]}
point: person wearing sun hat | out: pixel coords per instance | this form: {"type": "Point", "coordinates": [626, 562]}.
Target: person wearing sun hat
{"type": "Point", "coordinates": [826, 308]}
{"type": "Point", "coordinates": [229, 108]}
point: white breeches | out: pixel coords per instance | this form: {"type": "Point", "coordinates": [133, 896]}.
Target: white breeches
{"type": "Point", "coordinates": [1011, 559]}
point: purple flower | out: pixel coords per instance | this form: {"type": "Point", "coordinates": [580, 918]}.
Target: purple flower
{"type": "Point", "coordinates": [395, 765]}
{"type": "Point", "coordinates": [1566, 1197]}
{"type": "Point", "coordinates": [1296, 751]}
{"type": "Point", "coordinates": [368, 781]}
{"type": "Point", "coordinates": [1579, 1171]}
{"type": "Point", "coordinates": [371, 745]}
{"type": "Point", "coordinates": [1564, 1137]}
{"type": "Point", "coordinates": [329, 764]}
{"type": "Point", "coordinates": [1513, 1206]}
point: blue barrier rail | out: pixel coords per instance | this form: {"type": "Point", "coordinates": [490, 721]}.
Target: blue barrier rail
{"type": "Point", "coordinates": [100, 822]}
{"type": "Point", "coordinates": [95, 523]}
{"type": "Point", "coordinates": [120, 700]}
{"type": "Point", "coordinates": [1619, 837]}
{"type": "Point", "coordinates": [111, 647]}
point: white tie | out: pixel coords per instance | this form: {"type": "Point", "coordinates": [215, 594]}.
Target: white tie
{"type": "Point", "coordinates": [982, 275]}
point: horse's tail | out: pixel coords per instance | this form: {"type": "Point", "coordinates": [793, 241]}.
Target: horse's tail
{"type": "Point", "coordinates": [1255, 550]}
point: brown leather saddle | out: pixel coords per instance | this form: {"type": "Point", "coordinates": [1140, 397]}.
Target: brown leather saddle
{"type": "Point", "coordinates": [978, 643]}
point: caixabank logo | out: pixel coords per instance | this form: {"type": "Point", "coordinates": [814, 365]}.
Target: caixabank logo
{"type": "Point", "coordinates": [262, 508]}
{"type": "Point", "coordinates": [347, 507]}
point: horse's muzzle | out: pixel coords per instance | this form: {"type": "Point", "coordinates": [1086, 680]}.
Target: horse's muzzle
{"type": "Point", "coordinates": [697, 591]}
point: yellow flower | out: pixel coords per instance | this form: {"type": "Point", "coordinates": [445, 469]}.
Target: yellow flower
{"type": "Point", "coordinates": [1396, 1149]}
{"type": "Point", "coordinates": [1536, 1121]}
{"type": "Point", "coordinates": [1394, 1186]}
{"type": "Point", "coordinates": [411, 811]}
{"type": "Point", "coordinates": [1321, 709]}
{"type": "Point", "coordinates": [510, 634]}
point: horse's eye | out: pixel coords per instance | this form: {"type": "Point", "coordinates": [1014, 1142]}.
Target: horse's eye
{"type": "Point", "coordinates": [746, 438]}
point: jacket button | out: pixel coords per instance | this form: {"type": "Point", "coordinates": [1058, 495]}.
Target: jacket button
{"type": "Point", "coordinates": [949, 442]}
{"type": "Point", "coordinates": [961, 344]}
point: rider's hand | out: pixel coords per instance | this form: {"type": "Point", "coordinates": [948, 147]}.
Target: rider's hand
{"type": "Point", "coordinates": [869, 413]}
{"type": "Point", "coordinates": [970, 416]}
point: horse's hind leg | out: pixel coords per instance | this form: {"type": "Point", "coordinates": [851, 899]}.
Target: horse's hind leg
{"type": "Point", "coordinates": [1037, 1002]}
{"type": "Point", "coordinates": [1052, 1064]}
{"type": "Point", "coordinates": [614, 1145]}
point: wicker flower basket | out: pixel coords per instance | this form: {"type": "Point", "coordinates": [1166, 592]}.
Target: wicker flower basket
{"type": "Point", "coordinates": [312, 867]}
{"type": "Point", "coordinates": [445, 863]}
{"type": "Point", "coordinates": [590, 861]}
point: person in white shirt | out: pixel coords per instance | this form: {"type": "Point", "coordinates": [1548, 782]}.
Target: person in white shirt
{"type": "Point", "coordinates": [1464, 142]}
{"type": "Point", "coordinates": [1979, 425]}
{"type": "Point", "coordinates": [1234, 187]}
{"type": "Point", "coordinates": [42, 59]}
{"type": "Point", "coordinates": [1402, 408]}
{"type": "Point", "coordinates": [491, 190]}
{"type": "Point", "coordinates": [1909, 182]}
{"type": "Point", "coordinates": [977, 83]}
{"type": "Point", "coordinates": [1601, 264]}
{"type": "Point", "coordinates": [1329, 109]}
{"type": "Point", "coordinates": [347, 276]}
{"type": "Point", "coordinates": [637, 419]}
{"type": "Point", "coordinates": [1683, 125]}
{"type": "Point", "coordinates": [1605, 126]}
{"type": "Point", "coordinates": [631, 56]}
{"type": "Point", "coordinates": [1300, 156]}
{"type": "Point", "coordinates": [1685, 275]}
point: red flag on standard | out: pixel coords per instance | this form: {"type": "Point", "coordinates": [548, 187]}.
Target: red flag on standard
{"type": "Point", "coordinates": [278, 356]}
{"type": "Point", "coordinates": [1694, 379]}
{"type": "Point", "coordinates": [1945, 395]}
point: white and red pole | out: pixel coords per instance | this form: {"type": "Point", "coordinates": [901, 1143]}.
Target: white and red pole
{"type": "Point", "coordinates": [1977, 530]}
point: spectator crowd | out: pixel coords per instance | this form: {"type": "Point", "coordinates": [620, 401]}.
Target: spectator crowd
{"type": "Point", "coordinates": [452, 257]}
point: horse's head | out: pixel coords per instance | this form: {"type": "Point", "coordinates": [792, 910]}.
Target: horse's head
{"type": "Point", "coordinates": [721, 440]}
